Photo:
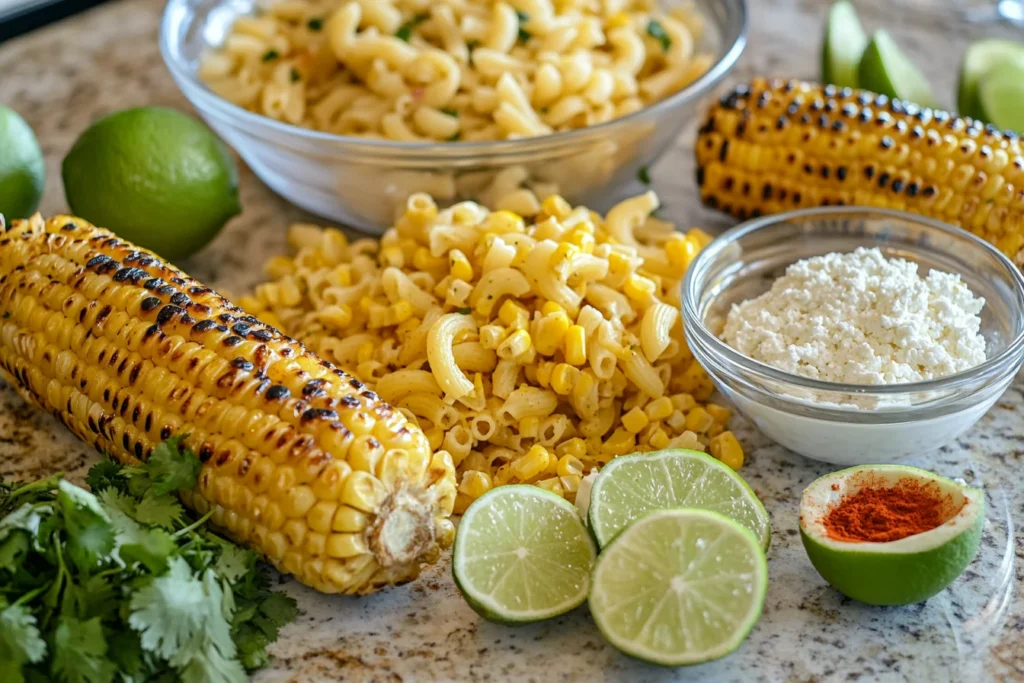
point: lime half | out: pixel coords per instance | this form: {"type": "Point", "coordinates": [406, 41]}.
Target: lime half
{"type": "Point", "coordinates": [679, 587]}
{"type": "Point", "coordinates": [522, 554]}
{"type": "Point", "coordinates": [1001, 96]}
{"type": "Point", "coordinates": [22, 170]}
{"type": "Point", "coordinates": [979, 59]}
{"type": "Point", "coordinates": [843, 46]}
{"type": "Point", "coordinates": [885, 69]}
{"type": "Point", "coordinates": [631, 486]}
{"type": "Point", "coordinates": [898, 572]}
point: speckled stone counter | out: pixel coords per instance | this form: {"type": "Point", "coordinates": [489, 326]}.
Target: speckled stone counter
{"type": "Point", "coordinates": [63, 77]}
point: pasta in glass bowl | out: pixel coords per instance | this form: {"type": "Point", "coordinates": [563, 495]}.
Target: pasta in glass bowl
{"type": "Point", "coordinates": [348, 108]}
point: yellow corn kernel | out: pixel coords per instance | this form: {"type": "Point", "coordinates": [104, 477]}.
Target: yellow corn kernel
{"type": "Point", "coordinates": [365, 352]}
{"type": "Point", "coordinates": [475, 484]}
{"type": "Point", "coordinates": [619, 264]}
{"type": "Point", "coordinates": [502, 222]}
{"type": "Point", "coordinates": [658, 439]}
{"type": "Point", "coordinates": [435, 437]}
{"type": "Point", "coordinates": [683, 402]}
{"type": "Point", "coordinates": [698, 420]}
{"type": "Point", "coordinates": [582, 239]}
{"type": "Point", "coordinates": [635, 420]}
{"type": "Point", "coordinates": [621, 441]}
{"type": "Point", "coordinates": [551, 308]}
{"type": "Point", "coordinates": [552, 484]}
{"type": "Point", "coordinates": [726, 448]}
{"type": "Point", "coordinates": [531, 463]}
{"type": "Point", "coordinates": [563, 377]}
{"type": "Point", "coordinates": [513, 315]}
{"type": "Point", "coordinates": [556, 206]}
{"type": "Point", "coordinates": [515, 345]}
{"type": "Point", "coordinates": [551, 331]}
{"type": "Point", "coordinates": [543, 370]}
{"type": "Point", "coordinates": [491, 336]}
{"type": "Point", "coordinates": [714, 430]}
{"type": "Point", "coordinates": [400, 312]}
{"type": "Point", "coordinates": [459, 266]}
{"type": "Point", "coordinates": [335, 317]}
{"type": "Point", "coordinates": [721, 414]}
{"type": "Point", "coordinates": [321, 515]}
{"type": "Point", "coordinates": [341, 546]}
{"type": "Point", "coordinates": [392, 256]}
{"type": "Point", "coordinates": [701, 238]}
{"type": "Point", "coordinates": [639, 288]}
{"type": "Point", "coordinates": [529, 426]}
{"type": "Point", "coordinates": [618, 20]}
{"type": "Point", "coordinates": [502, 475]}
{"type": "Point", "coordinates": [570, 465]}
{"type": "Point", "coordinates": [681, 252]}
{"type": "Point", "coordinates": [424, 260]}
{"type": "Point", "coordinates": [576, 345]}
{"type": "Point", "coordinates": [659, 409]}
{"type": "Point", "coordinates": [575, 447]}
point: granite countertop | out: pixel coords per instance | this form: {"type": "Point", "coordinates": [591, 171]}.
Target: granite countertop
{"type": "Point", "coordinates": [62, 77]}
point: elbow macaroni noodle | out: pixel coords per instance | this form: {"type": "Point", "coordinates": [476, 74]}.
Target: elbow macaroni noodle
{"type": "Point", "coordinates": [452, 70]}
{"type": "Point", "coordinates": [532, 349]}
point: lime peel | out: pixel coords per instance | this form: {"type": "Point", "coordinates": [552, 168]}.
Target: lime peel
{"type": "Point", "coordinates": [843, 46]}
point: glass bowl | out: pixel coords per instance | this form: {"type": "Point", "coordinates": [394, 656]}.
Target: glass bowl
{"type": "Point", "coordinates": [852, 424]}
{"type": "Point", "coordinates": [362, 182]}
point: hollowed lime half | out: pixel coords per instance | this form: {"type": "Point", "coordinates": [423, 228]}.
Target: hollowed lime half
{"type": "Point", "coordinates": [899, 572]}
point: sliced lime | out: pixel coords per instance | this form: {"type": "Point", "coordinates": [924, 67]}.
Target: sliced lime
{"type": "Point", "coordinates": [898, 572]}
{"type": "Point", "coordinates": [1001, 96]}
{"type": "Point", "coordinates": [22, 169]}
{"type": "Point", "coordinates": [843, 45]}
{"type": "Point", "coordinates": [522, 554]}
{"type": "Point", "coordinates": [631, 486]}
{"type": "Point", "coordinates": [885, 69]}
{"type": "Point", "coordinates": [979, 59]}
{"type": "Point", "coordinates": [679, 587]}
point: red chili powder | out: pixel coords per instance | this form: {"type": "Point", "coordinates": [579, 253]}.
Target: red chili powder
{"type": "Point", "coordinates": [879, 514]}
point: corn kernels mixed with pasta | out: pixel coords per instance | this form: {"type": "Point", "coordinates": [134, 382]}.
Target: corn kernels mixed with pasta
{"type": "Point", "coordinates": [531, 350]}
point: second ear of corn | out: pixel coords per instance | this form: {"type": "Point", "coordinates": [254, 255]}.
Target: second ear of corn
{"type": "Point", "coordinates": [777, 145]}
{"type": "Point", "coordinates": [300, 461]}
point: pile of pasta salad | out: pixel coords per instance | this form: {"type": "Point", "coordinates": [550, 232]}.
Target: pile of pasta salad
{"type": "Point", "coordinates": [532, 349]}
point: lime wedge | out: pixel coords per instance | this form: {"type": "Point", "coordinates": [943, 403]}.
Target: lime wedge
{"type": "Point", "coordinates": [979, 59]}
{"type": "Point", "coordinates": [679, 587]}
{"type": "Point", "coordinates": [631, 486]}
{"type": "Point", "coordinates": [885, 69]}
{"type": "Point", "coordinates": [1001, 96]}
{"type": "Point", "coordinates": [898, 572]}
{"type": "Point", "coordinates": [522, 554]}
{"type": "Point", "coordinates": [843, 45]}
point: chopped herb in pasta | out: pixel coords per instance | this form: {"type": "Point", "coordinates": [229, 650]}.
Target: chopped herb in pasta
{"type": "Point", "coordinates": [657, 31]}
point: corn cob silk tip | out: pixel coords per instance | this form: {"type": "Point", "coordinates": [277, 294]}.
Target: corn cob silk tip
{"type": "Point", "coordinates": [777, 145]}
{"type": "Point", "coordinates": [300, 461]}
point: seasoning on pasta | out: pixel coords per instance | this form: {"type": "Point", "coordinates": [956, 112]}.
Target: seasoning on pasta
{"type": "Point", "coordinates": [455, 70]}
{"type": "Point", "coordinates": [532, 351]}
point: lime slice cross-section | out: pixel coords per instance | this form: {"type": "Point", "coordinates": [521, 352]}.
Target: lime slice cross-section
{"type": "Point", "coordinates": [885, 69]}
{"type": "Point", "coordinates": [1001, 96]}
{"type": "Point", "coordinates": [522, 554]}
{"type": "Point", "coordinates": [843, 46]}
{"type": "Point", "coordinates": [631, 486]}
{"type": "Point", "coordinates": [679, 587]}
{"type": "Point", "coordinates": [980, 58]}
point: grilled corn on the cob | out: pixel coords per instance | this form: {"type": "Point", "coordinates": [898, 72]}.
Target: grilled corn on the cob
{"type": "Point", "coordinates": [779, 145]}
{"type": "Point", "coordinates": [301, 461]}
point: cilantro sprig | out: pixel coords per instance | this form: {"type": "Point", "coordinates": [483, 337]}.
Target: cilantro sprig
{"type": "Point", "coordinates": [122, 584]}
{"type": "Point", "coordinates": [657, 31]}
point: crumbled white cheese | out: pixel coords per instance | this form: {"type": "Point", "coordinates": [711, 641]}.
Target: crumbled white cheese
{"type": "Point", "coordinates": [860, 318]}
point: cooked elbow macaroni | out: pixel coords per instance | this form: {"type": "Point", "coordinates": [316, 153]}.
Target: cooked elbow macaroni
{"type": "Point", "coordinates": [530, 349]}
{"type": "Point", "coordinates": [455, 69]}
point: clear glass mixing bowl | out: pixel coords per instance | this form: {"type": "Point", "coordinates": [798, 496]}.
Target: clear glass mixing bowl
{"type": "Point", "coordinates": [362, 182]}
{"type": "Point", "coordinates": [852, 424]}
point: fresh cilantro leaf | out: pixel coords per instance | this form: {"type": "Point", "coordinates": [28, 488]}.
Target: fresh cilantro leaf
{"type": "Point", "coordinates": [252, 647]}
{"type": "Point", "coordinates": [125, 649]}
{"type": "Point", "coordinates": [91, 597]}
{"type": "Point", "coordinates": [115, 499]}
{"type": "Point", "coordinates": [79, 652]}
{"type": "Point", "coordinates": [657, 31]}
{"type": "Point", "coordinates": [163, 511]}
{"type": "Point", "coordinates": [173, 467]}
{"type": "Point", "coordinates": [29, 518]}
{"type": "Point", "coordinates": [106, 474]}
{"type": "Point", "coordinates": [271, 55]}
{"type": "Point", "coordinates": [13, 551]}
{"type": "Point", "coordinates": [455, 137]}
{"type": "Point", "coordinates": [233, 562]}
{"type": "Point", "coordinates": [90, 537]}
{"type": "Point", "coordinates": [523, 16]}
{"type": "Point", "coordinates": [405, 30]}
{"type": "Point", "coordinates": [210, 666]}
{"type": "Point", "coordinates": [524, 35]}
{"type": "Point", "coordinates": [295, 76]}
{"type": "Point", "coordinates": [135, 543]}
{"type": "Point", "coordinates": [20, 642]}
{"type": "Point", "coordinates": [643, 175]}
{"type": "Point", "coordinates": [454, 113]}
{"type": "Point", "coordinates": [465, 311]}
{"type": "Point", "coordinates": [315, 24]}
{"type": "Point", "coordinates": [279, 608]}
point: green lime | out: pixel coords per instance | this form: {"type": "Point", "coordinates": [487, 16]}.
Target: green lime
{"type": "Point", "coordinates": [22, 170]}
{"type": "Point", "coordinates": [522, 554]}
{"type": "Point", "coordinates": [885, 69]}
{"type": "Point", "coordinates": [899, 572]}
{"type": "Point", "coordinates": [631, 486]}
{"type": "Point", "coordinates": [154, 176]}
{"type": "Point", "coordinates": [1001, 96]}
{"type": "Point", "coordinates": [979, 59]}
{"type": "Point", "coordinates": [843, 45]}
{"type": "Point", "coordinates": [679, 587]}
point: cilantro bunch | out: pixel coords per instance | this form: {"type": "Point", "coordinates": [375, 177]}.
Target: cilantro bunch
{"type": "Point", "coordinates": [122, 585]}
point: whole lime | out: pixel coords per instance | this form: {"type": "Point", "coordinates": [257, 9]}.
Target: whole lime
{"type": "Point", "coordinates": [22, 170]}
{"type": "Point", "coordinates": [154, 176]}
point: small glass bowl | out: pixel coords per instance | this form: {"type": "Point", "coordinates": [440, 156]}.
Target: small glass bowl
{"type": "Point", "coordinates": [364, 183]}
{"type": "Point", "coordinates": [852, 424]}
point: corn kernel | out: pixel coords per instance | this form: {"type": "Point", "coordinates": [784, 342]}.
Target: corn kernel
{"type": "Point", "coordinates": [543, 370]}
{"type": "Point", "coordinates": [475, 484]}
{"type": "Point", "coordinates": [639, 288]}
{"type": "Point", "coordinates": [569, 465]}
{"type": "Point", "coordinates": [659, 409]}
{"type": "Point", "coordinates": [530, 464]}
{"type": "Point", "coordinates": [392, 256]}
{"type": "Point", "coordinates": [435, 436]}
{"type": "Point", "coordinates": [681, 252]}
{"type": "Point", "coordinates": [551, 331]}
{"type": "Point", "coordinates": [683, 402]}
{"type": "Point", "coordinates": [575, 447]}
{"type": "Point", "coordinates": [551, 308]}
{"type": "Point", "coordinates": [659, 439]}
{"type": "Point", "coordinates": [513, 315]}
{"type": "Point", "coordinates": [576, 345]}
{"type": "Point", "coordinates": [502, 222]}
{"type": "Point", "coordinates": [699, 237]}
{"type": "Point", "coordinates": [515, 345]}
{"type": "Point", "coordinates": [698, 420]}
{"type": "Point", "coordinates": [424, 260]}
{"type": "Point", "coordinates": [341, 546]}
{"type": "Point", "coordinates": [563, 377]}
{"type": "Point", "coordinates": [582, 239]}
{"type": "Point", "coordinates": [619, 263]}
{"type": "Point", "coordinates": [618, 20]}
{"type": "Point", "coordinates": [529, 426]}
{"type": "Point", "coordinates": [336, 317]}
{"type": "Point", "coordinates": [726, 448]}
{"type": "Point", "coordinates": [553, 485]}
{"type": "Point", "coordinates": [556, 206]}
{"type": "Point", "coordinates": [400, 312]}
{"type": "Point", "coordinates": [714, 430]}
{"type": "Point", "coordinates": [621, 441]}
{"type": "Point", "coordinates": [694, 380]}
{"type": "Point", "coordinates": [365, 352]}
{"type": "Point", "coordinates": [721, 414]}
{"type": "Point", "coordinates": [635, 420]}
{"type": "Point", "coordinates": [459, 266]}
{"type": "Point", "coordinates": [491, 336]}
{"type": "Point", "coordinates": [462, 503]}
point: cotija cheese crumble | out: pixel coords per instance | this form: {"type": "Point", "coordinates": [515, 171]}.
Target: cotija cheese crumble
{"type": "Point", "coordinates": [861, 318]}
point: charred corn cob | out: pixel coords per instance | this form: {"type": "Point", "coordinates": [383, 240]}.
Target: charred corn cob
{"type": "Point", "coordinates": [300, 460]}
{"type": "Point", "coordinates": [776, 145]}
